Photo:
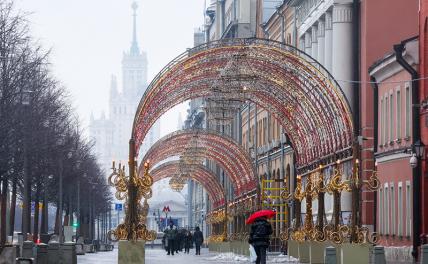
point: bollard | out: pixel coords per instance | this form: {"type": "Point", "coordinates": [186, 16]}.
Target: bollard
{"type": "Point", "coordinates": [379, 255]}
{"type": "Point", "coordinates": [27, 249]}
{"type": "Point", "coordinates": [54, 252]}
{"type": "Point", "coordinates": [330, 255]}
{"type": "Point", "coordinates": [69, 253]}
{"type": "Point", "coordinates": [424, 254]}
{"type": "Point", "coordinates": [42, 253]}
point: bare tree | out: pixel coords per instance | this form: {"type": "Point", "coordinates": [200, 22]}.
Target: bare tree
{"type": "Point", "coordinates": [35, 114]}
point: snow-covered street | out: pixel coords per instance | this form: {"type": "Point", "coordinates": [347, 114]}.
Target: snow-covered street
{"type": "Point", "coordinates": [158, 256]}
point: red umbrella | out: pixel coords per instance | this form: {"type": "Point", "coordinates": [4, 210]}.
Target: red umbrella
{"type": "Point", "coordinates": [261, 213]}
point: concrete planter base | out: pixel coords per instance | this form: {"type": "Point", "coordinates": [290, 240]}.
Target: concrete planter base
{"type": "Point", "coordinates": [304, 252]}
{"type": "Point", "coordinates": [42, 253]}
{"type": "Point", "coordinates": [237, 247]}
{"type": "Point", "coordinates": [131, 252]}
{"type": "Point", "coordinates": [424, 254]}
{"type": "Point", "coordinates": [355, 254]}
{"type": "Point", "coordinates": [316, 252]}
{"type": "Point", "coordinates": [220, 247]}
{"type": "Point", "coordinates": [69, 253]}
{"type": "Point", "coordinates": [54, 253]}
{"type": "Point", "coordinates": [240, 247]}
{"type": "Point", "coordinates": [8, 255]}
{"type": "Point", "coordinates": [293, 248]}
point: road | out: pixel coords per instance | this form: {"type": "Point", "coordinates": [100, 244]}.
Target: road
{"type": "Point", "coordinates": [158, 256]}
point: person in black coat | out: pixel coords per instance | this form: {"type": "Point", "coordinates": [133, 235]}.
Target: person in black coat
{"type": "Point", "coordinates": [198, 238]}
{"type": "Point", "coordinates": [170, 237]}
{"type": "Point", "coordinates": [261, 229]}
{"type": "Point", "coordinates": [188, 241]}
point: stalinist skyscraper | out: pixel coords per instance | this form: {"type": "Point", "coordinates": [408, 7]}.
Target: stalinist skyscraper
{"type": "Point", "coordinates": [111, 133]}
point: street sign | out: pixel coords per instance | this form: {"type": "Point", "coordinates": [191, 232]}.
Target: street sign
{"type": "Point", "coordinates": [118, 207]}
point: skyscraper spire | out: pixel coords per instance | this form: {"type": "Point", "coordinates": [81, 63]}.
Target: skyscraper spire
{"type": "Point", "coordinates": [134, 47]}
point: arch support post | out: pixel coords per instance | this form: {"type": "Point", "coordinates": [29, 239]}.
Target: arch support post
{"type": "Point", "coordinates": [133, 189]}
{"type": "Point", "coordinates": [132, 212]}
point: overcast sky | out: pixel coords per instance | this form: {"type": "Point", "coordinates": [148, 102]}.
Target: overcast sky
{"type": "Point", "coordinates": [87, 38]}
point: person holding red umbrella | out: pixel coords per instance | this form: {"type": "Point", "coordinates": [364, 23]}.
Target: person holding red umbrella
{"type": "Point", "coordinates": [260, 233]}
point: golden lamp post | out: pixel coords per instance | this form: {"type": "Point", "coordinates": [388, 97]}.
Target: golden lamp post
{"type": "Point", "coordinates": [132, 189]}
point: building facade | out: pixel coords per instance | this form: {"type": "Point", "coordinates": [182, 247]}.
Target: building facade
{"type": "Point", "coordinates": [394, 140]}
{"type": "Point", "coordinates": [197, 197]}
{"type": "Point", "coordinates": [399, 16]}
{"type": "Point", "coordinates": [423, 96]}
{"type": "Point", "coordinates": [346, 37]}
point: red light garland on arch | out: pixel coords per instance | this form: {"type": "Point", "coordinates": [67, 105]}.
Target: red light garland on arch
{"type": "Point", "coordinates": [299, 92]}
{"type": "Point", "coordinates": [227, 153]}
{"type": "Point", "coordinates": [198, 173]}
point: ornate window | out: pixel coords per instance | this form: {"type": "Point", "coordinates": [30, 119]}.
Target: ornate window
{"type": "Point", "coordinates": [398, 117]}
{"type": "Point", "coordinates": [408, 109]}
{"type": "Point", "coordinates": [400, 210]}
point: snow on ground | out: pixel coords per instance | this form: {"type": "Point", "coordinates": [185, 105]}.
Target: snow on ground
{"type": "Point", "coordinates": [228, 257]}
{"type": "Point", "coordinates": [158, 256]}
{"type": "Point", "coordinates": [282, 259]}
{"type": "Point", "coordinates": [232, 258]}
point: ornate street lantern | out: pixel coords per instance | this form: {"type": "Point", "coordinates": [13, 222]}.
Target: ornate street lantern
{"type": "Point", "coordinates": [419, 149]}
{"type": "Point", "coordinates": [418, 152]}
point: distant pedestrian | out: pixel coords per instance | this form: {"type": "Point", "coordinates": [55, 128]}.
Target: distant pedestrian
{"type": "Point", "coordinates": [198, 238]}
{"type": "Point", "coordinates": [188, 241]}
{"type": "Point", "coordinates": [177, 240]}
{"type": "Point", "coordinates": [164, 242]}
{"type": "Point", "coordinates": [261, 229]}
{"type": "Point", "coordinates": [171, 235]}
{"type": "Point", "coordinates": [182, 234]}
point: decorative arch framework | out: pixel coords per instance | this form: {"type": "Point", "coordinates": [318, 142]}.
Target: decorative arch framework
{"type": "Point", "coordinates": [230, 156]}
{"type": "Point", "coordinates": [285, 81]}
{"type": "Point", "coordinates": [198, 173]}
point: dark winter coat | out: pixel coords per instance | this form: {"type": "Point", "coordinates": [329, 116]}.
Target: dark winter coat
{"type": "Point", "coordinates": [188, 240]}
{"type": "Point", "coordinates": [170, 233]}
{"type": "Point", "coordinates": [261, 229]}
{"type": "Point", "coordinates": [198, 238]}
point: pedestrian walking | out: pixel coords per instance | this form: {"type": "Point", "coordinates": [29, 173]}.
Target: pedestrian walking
{"type": "Point", "coordinates": [198, 238]}
{"type": "Point", "coordinates": [182, 234]}
{"type": "Point", "coordinates": [188, 241]}
{"type": "Point", "coordinates": [164, 243]}
{"type": "Point", "coordinates": [261, 229]}
{"type": "Point", "coordinates": [171, 235]}
{"type": "Point", "coordinates": [177, 240]}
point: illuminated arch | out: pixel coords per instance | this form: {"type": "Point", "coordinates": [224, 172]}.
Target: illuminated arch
{"type": "Point", "coordinates": [198, 173]}
{"type": "Point", "coordinates": [285, 81]}
{"type": "Point", "coordinates": [229, 155]}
